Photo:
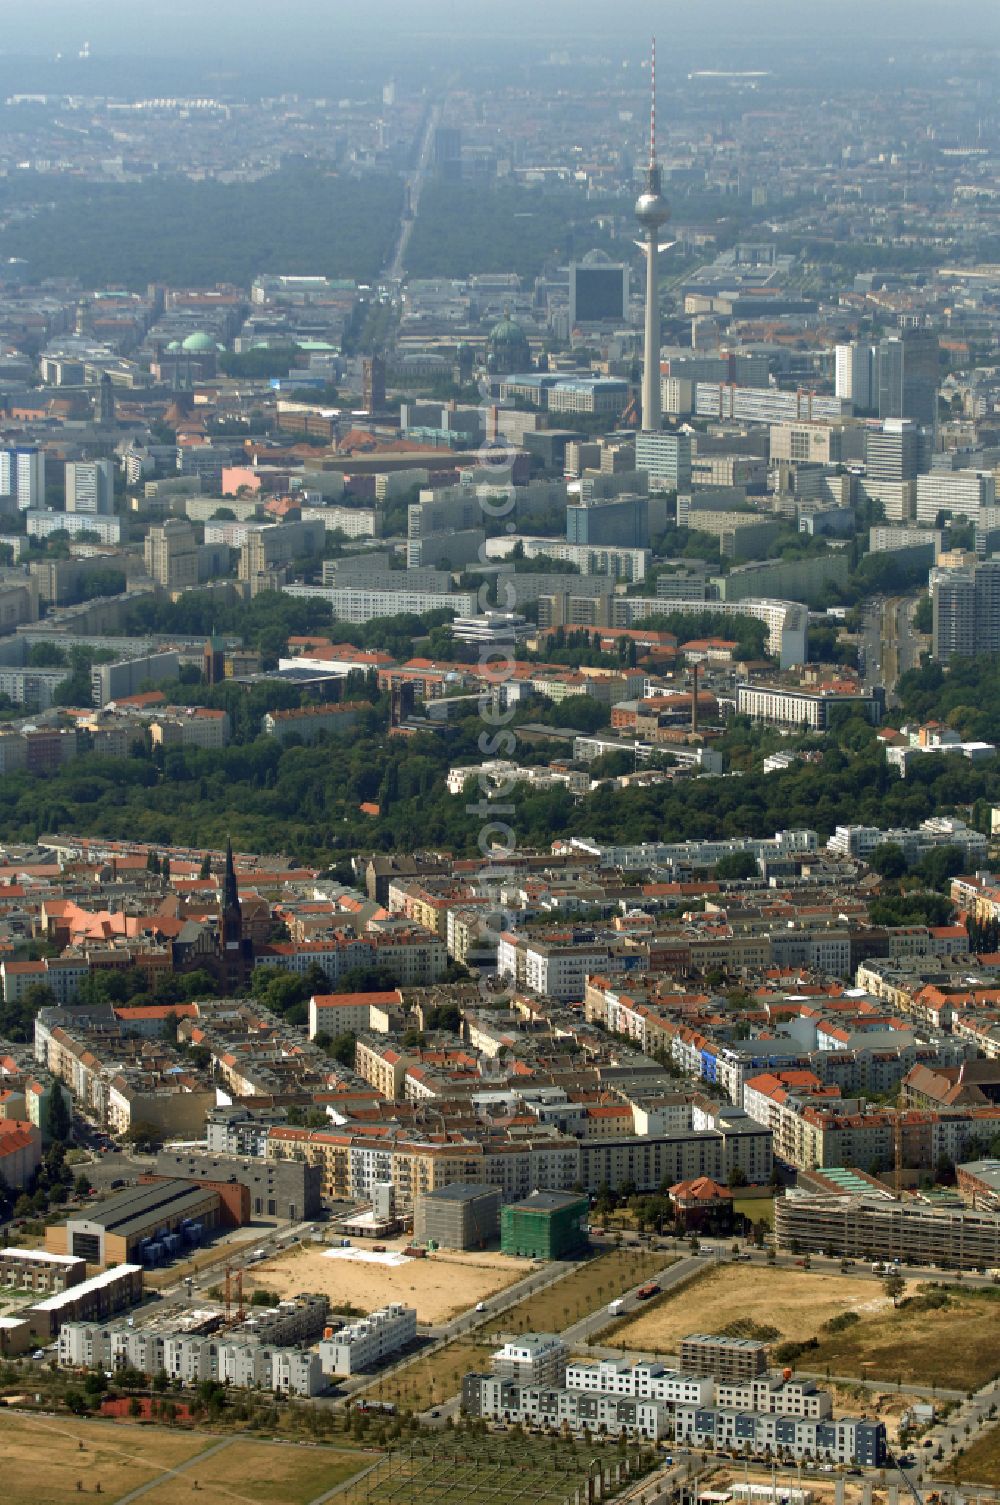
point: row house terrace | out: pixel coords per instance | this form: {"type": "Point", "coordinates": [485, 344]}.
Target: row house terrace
{"type": "Point", "coordinates": [84, 1046]}
{"type": "Point", "coordinates": [978, 895]}
{"type": "Point", "coordinates": [427, 902]}
{"type": "Point", "coordinates": [450, 1075]}
{"type": "Point", "coordinates": [981, 1031]}
{"type": "Point", "coordinates": [163, 1104]}
{"type": "Point", "coordinates": [352, 1159]}
{"type": "Point", "coordinates": [828, 1137]}
{"type": "Point", "coordinates": [417, 957]}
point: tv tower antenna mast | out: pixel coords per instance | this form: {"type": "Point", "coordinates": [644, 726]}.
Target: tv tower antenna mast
{"type": "Point", "coordinates": [652, 213]}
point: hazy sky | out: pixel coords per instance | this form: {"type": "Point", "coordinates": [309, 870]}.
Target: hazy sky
{"type": "Point", "coordinates": [185, 26]}
{"type": "Point", "coordinates": [333, 48]}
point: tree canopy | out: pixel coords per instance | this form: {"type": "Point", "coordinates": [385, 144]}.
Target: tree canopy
{"type": "Point", "coordinates": [306, 218]}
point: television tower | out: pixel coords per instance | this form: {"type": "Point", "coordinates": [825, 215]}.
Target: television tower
{"type": "Point", "coordinates": [651, 211]}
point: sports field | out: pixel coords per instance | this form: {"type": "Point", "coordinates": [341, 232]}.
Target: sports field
{"type": "Point", "coordinates": [261, 1473]}
{"type": "Point", "coordinates": [440, 1286]}
{"type": "Point", "coordinates": [43, 1457]}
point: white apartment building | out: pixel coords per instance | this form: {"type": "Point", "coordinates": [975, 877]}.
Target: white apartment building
{"type": "Point", "coordinates": [532, 1165]}
{"type": "Point", "coordinates": [898, 498]}
{"type": "Point", "coordinates": [646, 1381]}
{"type": "Point", "coordinates": [40, 523]}
{"type": "Point", "coordinates": [961, 492]}
{"type": "Point", "coordinates": [618, 562]}
{"type": "Point", "coordinates": [825, 950]}
{"type": "Point", "coordinates": [783, 1397]}
{"type": "Point", "coordinates": [885, 538]}
{"type": "Point", "coordinates": [90, 487]}
{"type": "Point", "coordinates": [353, 522]}
{"type": "Point", "coordinates": [786, 621]}
{"type": "Point", "coordinates": [861, 841]}
{"type": "Point", "coordinates": [191, 1358]}
{"type": "Point", "coordinates": [367, 1343]}
{"type": "Point", "coordinates": [684, 855]}
{"type": "Point", "coordinates": [357, 604]}
{"type": "Point", "coordinates": [190, 726]}
{"type": "Point", "coordinates": [537, 1406]}
{"type": "Point", "coordinates": [766, 404]}
{"type": "Point", "coordinates": [853, 370]}
{"type": "Point", "coordinates": [414, 959]}
{"type": "Point", "coordinates": [532, 1359]}
{"type": "Point", "coordinates": [550, 969]}
{"type": "Point", "coordinates": [371, 1165]}
{"type": "Point", "coordinates": [22, 476]}
{"type": "Point", "coordinates": [775, 705]}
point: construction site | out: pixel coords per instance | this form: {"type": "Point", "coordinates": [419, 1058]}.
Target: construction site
{"type": "Point", "coordinates": [440, 1282]}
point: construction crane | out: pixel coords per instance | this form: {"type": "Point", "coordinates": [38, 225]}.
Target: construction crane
{"type": "Point", "coordinates": [912, 1489]}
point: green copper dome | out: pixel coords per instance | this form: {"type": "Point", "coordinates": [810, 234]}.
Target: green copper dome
{"type": "Point", "coordinates": [199, 343]}
{"type": "Point", "coordinates": [507, 348]}
{"type": "Point", "coordinates": [507, 333]}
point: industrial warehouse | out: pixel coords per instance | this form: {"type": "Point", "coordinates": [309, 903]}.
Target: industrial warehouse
{"type": "Point", "coordinates": [149, 1223]}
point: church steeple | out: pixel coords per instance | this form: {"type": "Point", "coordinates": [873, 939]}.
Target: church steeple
{"type": "Point", "coordinates": [231, 909]}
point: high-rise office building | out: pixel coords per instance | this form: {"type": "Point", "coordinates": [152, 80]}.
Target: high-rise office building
{"type": "Point", "coordinates": [666, 458]}
{"type": "Point", "coordinates": [652, 213]}
{"type": "Point", "coordinates": [908, 376]}
{"type": "Point", "coordinates": [621, 521]}
{"type": "Point", "coordinates": [171, 552]}
{"type": "Point", "coordinates": [598, 291]}
{"type": "Point", "coordinates": [213, 660]}
{"type": "Point", "coordinates": [966, 603]}
{"type": "Point", "coordinates": [22, 476]}
{"type": "Point", "coordinates": [895, 452]}
{"type": "Point", "coordinates": [90, 487]}
{"type": "Point", "coordinates": [853, 366]}
{"type": "Point", "coordinates": [373, 383]}
{"type": "Point", "coordinates": [104, 407]}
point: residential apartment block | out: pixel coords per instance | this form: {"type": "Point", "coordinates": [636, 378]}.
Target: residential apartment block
{"type": "Point", "coordinates": [367, 1343]}
{"type": "Point", "coordinates": [192, 1358]}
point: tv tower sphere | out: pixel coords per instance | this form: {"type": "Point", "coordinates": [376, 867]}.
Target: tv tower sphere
{"type": "Point", "coordinates": [651, 208]}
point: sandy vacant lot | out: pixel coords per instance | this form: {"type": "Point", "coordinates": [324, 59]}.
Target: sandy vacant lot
{"type": "Point", "coordinates": [796, 1302]}
{"type": "Point", "coordinates": [954, 1345]}
{"type": "Point", "coordinates": [440, 1286]}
